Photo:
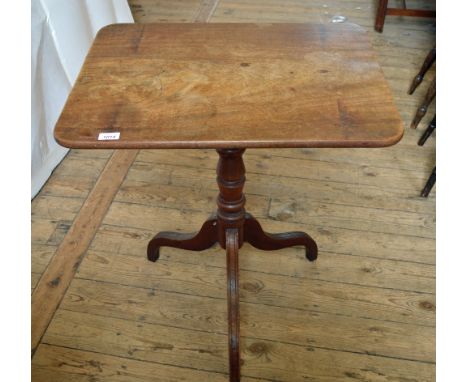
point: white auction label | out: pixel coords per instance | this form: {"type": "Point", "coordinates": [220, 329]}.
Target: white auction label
{"type": "Point", "coordinates": [109, 136]}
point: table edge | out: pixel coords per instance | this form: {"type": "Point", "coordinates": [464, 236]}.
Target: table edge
{"type": "Point", "coordinates": [390, 141]}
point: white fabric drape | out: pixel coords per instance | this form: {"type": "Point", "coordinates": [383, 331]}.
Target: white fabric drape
{"type": "Point", "coordinates": [61, 35]}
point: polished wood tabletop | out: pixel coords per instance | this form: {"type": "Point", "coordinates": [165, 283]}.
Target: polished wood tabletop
{"type": "Point", "coordinates": [230, 85]}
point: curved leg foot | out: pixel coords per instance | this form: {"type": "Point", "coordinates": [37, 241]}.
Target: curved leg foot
{"type": "Point", "coordinates": [204, 239]}
{"type": "Point", "coordinates": [232, 250]}
{"type": "Point", "coordinates": [254, 234]}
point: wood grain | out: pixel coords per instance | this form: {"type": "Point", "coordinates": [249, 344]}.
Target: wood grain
{"type": "Point", "coordinates": [206, 10]}
{"type": "Point", "coordinates": [292, 326]}
{"type": "Point", "coordinates": [161, 345]}
{"type": "Point", "coordinates": [151, 11]}
{"type": "Point", "coordinates": [58, 364]}
{"type": "Point", "coordinates": [230, 85]}
{"type": "Point", "coordinates": [127, 244]}
{"type": "Point", "coordinates": [76, 176]}
{"type": "Point", "coordinates": [260, 293]}
{"type": "Point", "coordinates": [317, 295]}
{"type": "Point", "coordinates": [55, 281]}
{"type": "Point", "coordinates": [341, 240]}
{"type": "Point", "coordinates": [259, 161]}
{"type": "Point", "coordinates": [147, 182]}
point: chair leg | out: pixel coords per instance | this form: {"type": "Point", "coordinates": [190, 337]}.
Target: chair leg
{"type": "Point", "coordinates": [380, 18]}
{"type": "Point", "coordinates": [427, 133]}
{"type": "Point", "coordinates": [430, 183]}
{"type": "Point", "coordinates": [430, 58]}
{"type": "Point", "coordinates": [421, 112]}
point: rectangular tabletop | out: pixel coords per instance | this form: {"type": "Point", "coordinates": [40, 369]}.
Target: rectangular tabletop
{"type": "Point", "coordinates": [230, 85]}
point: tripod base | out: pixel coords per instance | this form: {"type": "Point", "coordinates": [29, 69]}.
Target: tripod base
{"type": "Point", "coordinates": [253, 234]}
{"type": "Point", "coordinates": [231, 228]}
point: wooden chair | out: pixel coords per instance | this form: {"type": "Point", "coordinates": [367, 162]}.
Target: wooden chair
{"type": "Point", "coordinates": [383, 11]}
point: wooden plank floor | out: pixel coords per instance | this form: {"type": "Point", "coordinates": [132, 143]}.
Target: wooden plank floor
{"type": "Point", "coordinates": [365, 311]}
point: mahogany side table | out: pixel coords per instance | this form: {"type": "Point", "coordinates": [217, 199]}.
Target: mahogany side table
{"type": "Point", "coordinates": [230, 87]}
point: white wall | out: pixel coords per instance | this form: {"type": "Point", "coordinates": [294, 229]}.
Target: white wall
{"type": "Point", "coordinates": [61, 34]}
